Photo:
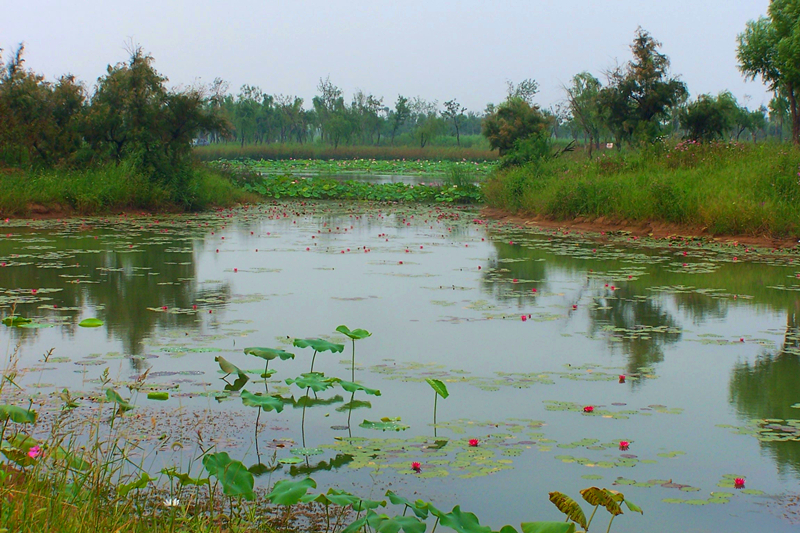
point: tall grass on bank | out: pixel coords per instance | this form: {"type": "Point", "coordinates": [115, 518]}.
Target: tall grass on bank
{"type": "Point", "coordinates": [111, 187]}
{"type": "Point", "coordinates": [315, 151]}
{"type": "Point", "coordinates": [726, 188]}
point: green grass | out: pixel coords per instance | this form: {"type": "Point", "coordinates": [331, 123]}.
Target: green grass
{"type": "Point", "coordinates": [111, 188]}
{"type": "Point", "coordinates": [316, 151]}
{"type": "Point", "coordinates": [725, 188]}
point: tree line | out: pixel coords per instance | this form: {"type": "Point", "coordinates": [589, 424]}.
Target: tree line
{"type": "Point", "coordinates": [132, 115]}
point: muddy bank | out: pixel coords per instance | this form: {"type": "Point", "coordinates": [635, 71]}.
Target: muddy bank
{"type": "Point", "coordinates": [640, 229]}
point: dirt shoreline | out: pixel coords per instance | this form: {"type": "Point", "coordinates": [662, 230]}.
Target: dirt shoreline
{"type": "Point", "coordinates": [639, 229]}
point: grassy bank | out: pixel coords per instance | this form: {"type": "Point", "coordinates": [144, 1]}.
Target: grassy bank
{"type": "Point", "coordinates": [725, 188]}
{"type": "Point", "coordinates": [110, 188]}
{"type": "Point", "coordinates": [315, 151]}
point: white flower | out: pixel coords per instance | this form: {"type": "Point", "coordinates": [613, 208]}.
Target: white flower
{"type": "Point", "coordinates": [172, 502]}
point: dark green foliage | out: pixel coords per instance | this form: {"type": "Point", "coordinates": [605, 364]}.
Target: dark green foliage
{"type": "Point", "coordinates": [513, 120]}
{"type": "Point", "coordinates": [131, 119]}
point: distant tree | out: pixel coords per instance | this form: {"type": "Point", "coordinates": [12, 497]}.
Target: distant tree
{"type": "Point", "coordinates": [584, 105]}
{"type": "Point", "coordinates": [400, 114]}
{"type": "Point", "coordinates": [524, 90]}
{"type": "Point", "coordinates": [326, 104]}
{"type": "Point", "coordinates": [770, 48]}
{"type": "Point", "coordinates": [427, 122]}
{"type": "Point", "coordinates": [640, 95]}
{"type": "Point", "coordinates": [778, 113]}
{"type": "Point", "coordinates": [708, 117]}
{"type": "Point", "coordinates": [455, 112]}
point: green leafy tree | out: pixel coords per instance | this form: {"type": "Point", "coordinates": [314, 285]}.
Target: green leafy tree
{"type": "Point", "coordinates": [512, 121]}
{"type": "Point", "coordinates": [400, 115]}
{"type": "Point", "coordinates": [640, 95]}
{"type": "Point", "coordinates": [584, 105]}
{"type": "Point", "coordinates": [455, 112]}
{"type": "Point", "coordinates": [769, 48]}
{"type": "Point", "coordinates": [708, 117]}
{"type": "Point", "coordinates": [134, 117]}
{"type": "Point", "coordinates": [524, 90]}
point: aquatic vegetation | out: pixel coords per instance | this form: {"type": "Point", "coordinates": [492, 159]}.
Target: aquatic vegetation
{"type": "Point", "coordinates": [354, 335]}
{"type": "Point", "coordinates": [330, 189]}
{"type": "Point", "coordinates": [318, 345]}
{"type": "Point", "coordinates": [439, 389]}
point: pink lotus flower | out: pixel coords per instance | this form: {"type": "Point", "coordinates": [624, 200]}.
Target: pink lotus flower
{"type": "Point", "coordinates": [524, 318]}
{"type": "Point", "coordinates": [622, 378]}
{"type": "Point", "coordinates": [34, 452]}
{"type": "Point", "coordinates": [416, 467]}
{"type": "Point", "coordinates": [623, 445]}
{"type": "Point", "coordinates": [588, 409]}
{"type": "Point", "coordinates": [473, 442]}
{"type": "Point", "coordinates": [738, 483]}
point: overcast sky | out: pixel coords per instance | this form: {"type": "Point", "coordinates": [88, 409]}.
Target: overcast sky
{"type": "Point", "coordinates": [435, 49]}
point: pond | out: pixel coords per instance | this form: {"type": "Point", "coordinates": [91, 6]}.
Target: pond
{"type": "Point", "coordinates": [555, 347]}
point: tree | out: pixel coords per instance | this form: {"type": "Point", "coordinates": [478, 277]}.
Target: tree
{"type": "Point", "coordinates": [584, 105]}
{"type": "Point", "coordinates": [426, 120]}
{"type": "Point", "coordinates": [327, 103]}
{"type": "Point", "coordinates": [770, 48]}
{"type": "Point", "coordinates": [400, 114]}
{"type": "Point", "coordinates": [708, 117]}
{"type": "Point", "coordinates": [455, 112]}
{"type": "Point", "coordinates": [525, 90]}
{"type": "Point", "coordinates": [134, 117]}
{"type": "Point", "coordinates": [512, 121]}
{"type": "Point", "coordinates": [640, 95]}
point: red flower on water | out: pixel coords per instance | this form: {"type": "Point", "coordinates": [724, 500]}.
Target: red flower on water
{"type": "Point", "coordinates": [623, 445]}
{"type": "Point", "coordinates": [473, 442]}
{"type": "Point", "coordinates": [416, 467]}
{"type": "Point", "coordinates": [622, 378]}
{"type": "Point", "coordinates": [738, 483]}
{"type": "Point", "coordinates": [524, 318]}
{"type": "Point", "coordinates": [588, 409]}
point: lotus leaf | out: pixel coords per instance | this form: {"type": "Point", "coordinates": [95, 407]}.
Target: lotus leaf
{"type": "Point", "coordinates": [235, 478]}
{"type": "Point", "coordinates": [287, 492]}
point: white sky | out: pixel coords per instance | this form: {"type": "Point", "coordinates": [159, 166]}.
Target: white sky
{"type": "Point", "coordinates": [435, 49]}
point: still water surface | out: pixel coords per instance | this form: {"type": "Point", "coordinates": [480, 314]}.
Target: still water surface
{"type": "Point", "coordinates": [707, 338]}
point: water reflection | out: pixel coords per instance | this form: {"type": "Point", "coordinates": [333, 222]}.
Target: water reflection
{"type": "Point", "coordinates": [115, 279]}
{"type": "Point", "coordinates": [768, 388]}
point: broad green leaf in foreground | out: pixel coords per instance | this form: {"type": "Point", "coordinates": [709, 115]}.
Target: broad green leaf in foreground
{"type": "Point", "coordinates": [269, 354]}
{"type": "Point", "coordinates": [315, 381]}
{"type": "Point", "coordinates": [90, 323]}
{"type": "Point", "coordinates": [463, 522]}
{"type": "Point", "coordinates": [438, 386]}
{"type": "Point", "coordinates": [356, 334]}
{"type": "Point", "coordinates": [235, 478]}
{"type": "Point", "coordinates": [319, 345]}
{"type": "Point", "coordinates": [288, 492]}
{"type": "Point", "coordinates": [350, 386]}
{"type": "Point", "coordinates": [17, 414]}
{"type": "Point", "coordinates": [267, 403]}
